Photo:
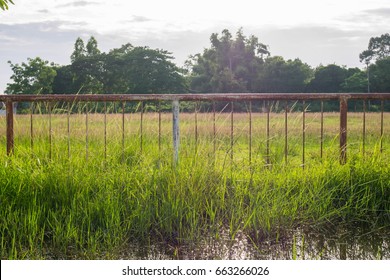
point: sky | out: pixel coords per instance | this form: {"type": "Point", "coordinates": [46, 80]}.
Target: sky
{"type": "Point", "coordinates": [317, 32]}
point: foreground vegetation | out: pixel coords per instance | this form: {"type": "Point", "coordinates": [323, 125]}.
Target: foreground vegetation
{"type": "Point", "coordinates": [74, 207]}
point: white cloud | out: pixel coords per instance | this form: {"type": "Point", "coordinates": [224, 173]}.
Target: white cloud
{"type": "Point", "coordinates": [315, 31]}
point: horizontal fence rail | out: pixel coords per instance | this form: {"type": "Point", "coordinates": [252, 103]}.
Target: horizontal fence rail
{"type": "Point", "coordinates": [285, 108]}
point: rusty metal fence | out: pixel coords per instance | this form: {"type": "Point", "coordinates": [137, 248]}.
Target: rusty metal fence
{"type": "Point", "coordinates": [229, 99]}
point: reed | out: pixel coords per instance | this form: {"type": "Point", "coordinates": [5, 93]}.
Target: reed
{"type": "Point", "coordinates": [73, 206]}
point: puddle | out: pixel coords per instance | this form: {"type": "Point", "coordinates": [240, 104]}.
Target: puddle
{"type": "Point", "coordinates": [340, 243]}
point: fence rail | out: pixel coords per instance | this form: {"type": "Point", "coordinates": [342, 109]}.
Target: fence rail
{"type": "Point", "coordinates": [343, 99]}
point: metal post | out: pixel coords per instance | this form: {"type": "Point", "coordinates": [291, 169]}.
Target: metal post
{"type": "Point", "coordinates": [250, 133]}
{"type": "Point", "coordinates": [86, 132]}
{"type": "Point", "coordinates": [32, 128]}
{"type": "Point", "coordinates": [343, 129]}
{"type": "Point", "coordinates": [303, 132]}
{"type": "Point", "coordinates": [10, 127]}
{"type": "Point", "coordinates": [123, 132]}
{"type": "Point", "coordinates": [364, 126]}
{"type": "Point", "coordinates": [231, 132]}
{"type": "Point", "coordinates": [142, 127]}
{"type": "Point", "coordinates": [268, 139]}
{"type": "Point", "coordinates": [382, 108]}
{"type": "Point", "coordinates": [68, 129]}
{"type": "Point", "coordinates": [176, 131]}
{"type": "Point", "coordinates": [285, 132]}
{"type": "Point", "coordinates": [105, 131]}
{"type": "Point", "coordinates": [50, 132]}
{"type": "Point", "coordinates": [322, 128]}
{"type": "Point", "coordinates": [214, 131]}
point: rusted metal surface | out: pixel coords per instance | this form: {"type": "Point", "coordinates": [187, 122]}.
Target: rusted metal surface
{"type": "Point", "coordinates": [231, 131]}
{"type": "Point", "coordinates": [192, 97]}
{"type": "Point", "coordinates": [32, 127]}
{"type": "Point", "coordinates": [86, 132]}
{"type": "Point", "coordinates": [268, 159]}
{"type": "Point", "coordinates": [50, 132]}
{"type": "Point", "coordinates": [303, 132]}
{"type": "Point", "coordinates": [123, 131]}
{"type": "Point", "coordinates": [68, 128]}
{"type": "Point", "coordinates": [285, 132]}
{"type": "Point", "coordinates": [196, 124]}
{"type": "Point", "coordinates": [322, 130]}
{"type": "Point", "coordinates": [214, 132]}
{"type": "Point", "coordinates": [141, 127]}
{"type": "Point", "coordinates": [105, 131]}
{"type": "Point", "coordinates": [10, 127]}
{"type": "Point", "coordinates": [250, 133]}
{"type": "Point", "coordinates": [230, 98]}
{"type": "Point", "coordinates": [364, 127]}
{"type": "Point", "coordinates": [175, 131]}
{"type": "Point", "coordinates": [381, 140]}
{"type": "Point", "coordinates": [343, 129]}
{"type": "Point", "coordinates": [159, 129]}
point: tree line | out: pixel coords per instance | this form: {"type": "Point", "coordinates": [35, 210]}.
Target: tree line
{"type": "Point", "coordinates": [230, 64]}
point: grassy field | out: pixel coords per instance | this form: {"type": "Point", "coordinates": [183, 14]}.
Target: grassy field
{"type": "Point", "coordinates": [68, 195]}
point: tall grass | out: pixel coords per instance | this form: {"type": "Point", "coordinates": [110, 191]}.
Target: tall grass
{"type": "Point", "coordinates": [74, 207]}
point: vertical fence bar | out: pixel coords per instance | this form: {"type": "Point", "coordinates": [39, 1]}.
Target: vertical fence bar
{"type": "Point", "coordinates": [364, 126]}
{"type": "Point", "coordinates": [50, 132]}
{"type": "Point", "coordinates": [303, 132]}
{"type": "Point", "coordinates": [214, 132]}
{"type": "Point", "coordinates": [267, 130]}
{"type": "Point", "coordinates": [159, 129]}
{"type": "Point", "coordinates": [105, 131]}
{"type": "Point", "coordinates": [9, 107]}
{"type": "Point", "coordinates": [68, 128]}
{"type": "Point", "coordinates": [86, 132]}
{"type": "Point", "coordinates": [123, 132]}
{"type": "Point", "coordinates": [196, 126]}
{"type": "Point", "coordinates": [285, 132]}
{"type": "Point", "coordinates": [381, 141]}
{"type": "Point", "coordinates": [322, 129]}
{"type": "Point", "coordinates": [31, 128]}
{"type": "Point", "coordinates": [141, 126]}
{"type": "Point", "coordinates": [176, 131]}
{"type": "Point", "coordinates": [231, 132]}
{"type": "Point", "coordinates": [343, 129]}
{"type": "Point", "coordinates": [250, 133]}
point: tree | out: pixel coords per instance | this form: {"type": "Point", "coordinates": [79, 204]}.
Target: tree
{"type": "Point", "coordinates": [79, 50]}
{"type": "Point", "coordinates": [328, 79]}
{"type": "Point", "coordinates": [380, 75]}
{"type": "Point", "coordinates": [278, 75]}
{"type": "Point", "coordinates": [229, 65]}
{"type": "Point", "coordinates": [5, 3]}
{"type": "Point", "coordinates": [378, 48]}
{"type": "Point", "coordinates": [92, 47]}
{"type": "Point", "coordinates": [141, 70]}
{"type": "Point", "coordinates": [87, 67]}
{"type": "Point", "coordinates": [126, 69]}
{"type": "Point", "coordinates": [34, 77]}
{"type": "Point", "coordinates": [357, 82]}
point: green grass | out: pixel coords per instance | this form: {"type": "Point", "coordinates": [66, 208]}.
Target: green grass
{"type": "Point", "coordinates": [77, 208]}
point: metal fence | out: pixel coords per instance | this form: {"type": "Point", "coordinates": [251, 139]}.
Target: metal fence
{"type": "Point", "coordinates": [211, 99]}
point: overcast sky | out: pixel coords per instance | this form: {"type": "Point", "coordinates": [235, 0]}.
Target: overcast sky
{"type": "Point", "coordinates": [317, 32]}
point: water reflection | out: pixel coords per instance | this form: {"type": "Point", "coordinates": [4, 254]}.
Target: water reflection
{"type": "Point", "coordinates": [340, 243]}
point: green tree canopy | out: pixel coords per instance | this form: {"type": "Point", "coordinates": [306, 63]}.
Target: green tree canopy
{"type": "Point", "coordinates": [378, 48]}
{"type": "Point", "coordinates": [328, 79]}
{"type": "Point", "coordinates": [380, 75]}
{"type": "Point", "coordinates": [34, 77]}
{"type": "Point", "coordinates": [229, 65]}
{"type": "Point", "coordinates": [278, 75]}
{"type": "Point", "coordinates": [141, 70]}
{"type": "Point", "coordinates": [127, 69]}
